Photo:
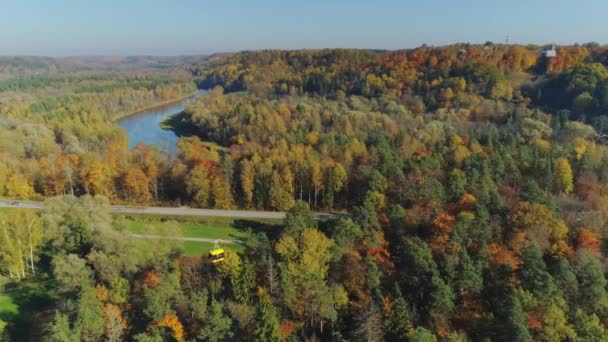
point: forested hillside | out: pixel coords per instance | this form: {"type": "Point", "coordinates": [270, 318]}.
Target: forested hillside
{"type": "Point", "coordinates": [474, 177]}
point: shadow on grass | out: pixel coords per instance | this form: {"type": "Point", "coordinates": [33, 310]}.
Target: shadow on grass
{"type": "Point", "coordinates": [34, 302]}
{"type": "Point", "coordinates": [272, 230]}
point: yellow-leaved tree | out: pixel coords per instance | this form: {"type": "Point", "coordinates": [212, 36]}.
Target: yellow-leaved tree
{"type": "Point", "coordinates": [563, 175]}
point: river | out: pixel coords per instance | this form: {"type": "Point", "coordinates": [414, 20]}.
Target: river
{"type": "Point", "coordinates": [145, 127]}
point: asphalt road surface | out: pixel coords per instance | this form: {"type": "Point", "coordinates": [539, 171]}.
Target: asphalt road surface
{"type": "Point", "coordinates": [179, 211]}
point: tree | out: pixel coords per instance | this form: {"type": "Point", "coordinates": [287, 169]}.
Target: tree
{"type": "Point", "coordinates": [457, 184]}
{"type": "Point", "coordinates": [533, 272]}
{"type": "Point", "coordinates": [373, 277]}
{"type": "Point", "coordinates": [247, 182]}
{"type": "Point", "coordinates": [21, 236]}
{"type": "Point", "coordinates": [420, 334]}
{"type": "Point", "coordinates": [369, 325]}
{"type": "Point", "coordinates": [564, 278]}
{"type": "Point", "coordinates": [563, 175]}
{"type": "Point", "coordinates": [17, 186]}
{"type": "Point", "coordinates": [511, 322]}
{"type": "Point", "coordinates": [541, 226]}
{"type": "Point", "coordinates": [244, 283]}
{"type": "Point", "coordinates": [367, 217]}
{"type": "Point", "coordinates": [136, 185]}
{"type": "Point", "coordinates": [71, 272]}
{"type": "Point", "coordinates": [299, 218]}
{"type": "Point", "coordinates": [171, 321]}
{"type": "Point", "coordinates": [89, 319]}
{"type": "Point", "coordinates": [280, 196]}
{"type": "Point", "coordinates": [218, 325]}
{"type": "Point", "coordinates": [198, 185]}
{"type": "Point", "coordinates": [59, 330]}
{"type": "Point", "coordinates": [267, 320]}
{"type": "Point", "coordinates": [589, 327]}
{"type": "Point", "coordinates": [304, 267]}
{"type": "Point", "coordinates": [592, 283]}
{"type": "Point", "coordinates": [115, 324]}
{"type": "Point", "coordinates": [469, 277]}
{"type": "Point", "coordinates": [159, 296]}
{"type": "Point", "coordinates": [555, 325]}
{"type": "Point", "coordinates": [398, 322]}
{"type": "Point", "coordinates": [336, 180]}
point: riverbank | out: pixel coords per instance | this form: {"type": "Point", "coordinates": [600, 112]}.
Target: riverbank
{"type": "Point", "coordinates": [154, 106]}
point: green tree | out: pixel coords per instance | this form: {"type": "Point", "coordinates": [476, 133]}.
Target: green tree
{"type": "Point", "coordinates": [218, 325]}
{"type": "Point", "coordinates": [420, 334]}
{"type": "Point", "coordinates": [468, 277]}
{"type": "Point", "coordinates": [373, 278]}
{"type": "Point", "coordinates": [533, 272]}
{"type": "Point", "coordinates": [458, 183]}
{"type": "Point", "coordinates": [71, 272]}
{"type": "Point", "coordinates": [298, 218]}
{"type": "Point", "coordinates": [244, 282]}
{"type": "Point", "coordinates": [59, 330]}
{"type": "Point", "coordinates": [592, 284]}
{"type": "Point", "coordinates": [267, 320]}
{"type": "Point", "coordinates": [398, 322]}
{"type": "Point", "coordinates": [589, 328]}
{"type": "Point", "coordinates": [511, 321]}
{"type": "Point", "coordinates": [89, 320]}
{"type": "Point", "coordinates": [555, 325]}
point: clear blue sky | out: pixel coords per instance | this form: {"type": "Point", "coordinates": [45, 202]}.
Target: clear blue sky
{"type": "Point", "coordinates": [173, 27]}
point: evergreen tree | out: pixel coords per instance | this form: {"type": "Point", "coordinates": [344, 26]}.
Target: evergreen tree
{"type": "Point", "coordinates": [298, 218]}
{"type": "Point", "coordinates": [267, 320]}
{"type": "Point", "coordinates": [511, 322]}
{"type": "Point", "coordinates": [399, 321]}
{"type": "Point", "coordinates": [373, 278]}
{"type": "Point", "coordinates": [533, 272]}
{"type": "Point", "coordinates": [457, 184]}
{"type": "Point", "coordinates": [89, 320]}
{"type": "Point", "coordinates": [59, 330]}
{"type": "Point", "coordinates": [218, 325]}
{"type": "Point", "coordinates": [244, 282]}
{"type": "Point", "coordinates": [468, 277]}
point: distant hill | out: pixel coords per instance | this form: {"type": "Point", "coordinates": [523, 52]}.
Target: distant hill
{"type": "Point", "coordinates": [20, 66]}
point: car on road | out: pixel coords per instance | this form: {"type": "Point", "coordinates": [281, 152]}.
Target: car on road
{"type": "Point", "coordinates": [16, 203]}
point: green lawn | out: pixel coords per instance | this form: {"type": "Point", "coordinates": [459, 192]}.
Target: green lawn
{"type": "Point", "coordinates": [197, 248]}
{"type": "Point", "coordinates": [199, 227]}
{"type": "Point", "coordinates": [20, 302]}
{"type": "Point", "coordinates": [187, 229]}
{"type": "Point", "coordinates": [7, 307]}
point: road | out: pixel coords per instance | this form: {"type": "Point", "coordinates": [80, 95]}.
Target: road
{"type": "Point", "coordinates": [179, 238]}
{"type": "Point", "coordinates": [178, 211]}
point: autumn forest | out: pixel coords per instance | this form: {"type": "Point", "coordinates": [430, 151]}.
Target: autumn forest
{"type": "Point", "coordinates": [466, 188]}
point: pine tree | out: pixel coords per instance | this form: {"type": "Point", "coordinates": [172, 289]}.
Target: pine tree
{"type": "Point", "coordinates": [218, 326]}
{"type": "Point", "coordinates": [398, 323]}
{"type": "Point", "coordinates": [457, 184]}
{"type": "Point", "coordinates": [512, 322]}
{"type": "Point", "coordinates": [373, 278]}
{"type": "Point", "coordinates": [267, 320]}
{"type": "Point", "coordinates": [533, 272]}
{"type": "Point", "coordinates": [244, 283]}
{"type": "Point", "coordinates": [469, 275]}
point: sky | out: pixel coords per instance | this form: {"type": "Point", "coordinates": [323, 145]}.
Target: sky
{"type": "Point", "coordinates": [185, 27]}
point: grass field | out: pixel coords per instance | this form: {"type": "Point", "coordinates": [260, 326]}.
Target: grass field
{"type": "Point", "coordinates": [199, 227]}
{"type": "Point", "coordinates": [7, 307]}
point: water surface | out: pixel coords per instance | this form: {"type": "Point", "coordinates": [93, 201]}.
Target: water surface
{"type": "Point", "coordinates": [145, 127]}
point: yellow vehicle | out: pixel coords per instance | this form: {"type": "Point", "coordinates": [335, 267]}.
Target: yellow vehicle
{"type": "Point", "coordinates": [216, 255]}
